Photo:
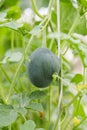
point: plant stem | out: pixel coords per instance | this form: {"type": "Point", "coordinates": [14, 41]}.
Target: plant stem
{"type": "Point", "coordinates": [58, 27]}
{"type": "Point", "coordinates": [12, 40]}
{"type": "Point", "coordinates": [50, 6]}
{"type": "Point", "coordinates": [85, 75]}
{"type": "Point", "coordinates": [49, 103]}
{"type": "Point", "coordinates": [77, 108]}
{"type": "Point", "coordinates": [18, 69]}
{"type": "Point", "coordinates": [23, 117]}
{"type": "Point", "coordinates": [59, 56]}
{"type": "Point", "coordinates": [35, 9]}
{"type": "Point", "coordinates": [70, 103]}
{"type": "Point", "coordinates": [9, 127]}
{"type": "Point", "coordinates": [51, 44]}
{"type": "Point", "coordinates": [74, 23]}
{"type": "Point", "coordinates": [27, 47]}
{"type": "Point", "coordinates": [14, 79]}
{"type": "Point", "coordinates": [77, 95]}
{"type": "Point", "coordinates": [52, 29]}
{"type": "Point", "coordinates": [44, 38]}
{"type": "Point", "coordinates": [72, 28]}
{"type": "Point", "coordinates": [23, 42]}
{"type": "Point", "coordinates": [2, 95]}
{"type": "Point", "coordinates": [5, 74]}
{"type": "Point", "coordinates": [63, 80]}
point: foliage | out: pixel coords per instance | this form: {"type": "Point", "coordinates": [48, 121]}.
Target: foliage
{"type": "Point", "coordinates": [24, 27]}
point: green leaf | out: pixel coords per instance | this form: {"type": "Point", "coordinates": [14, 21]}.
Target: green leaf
{"type": "Point", "coordinates": [80, 111]}
{"type": "Point", "coordinates": [77, 78]}
{"type": "Point", "coordinates": [54, 16]}
{"type": "Point", "coordinates": [68, 15]}
{"type": "Point", "coordinates": [7, 115]}
{"type": "Point", "coordinates": [12, 25]}
{"type": "Point", "coordinates": [28, 125]}
{"type": "Point", "coordinates": [83, 3]}
{"type": "Point", "coordinates": [21, 99]}
{"type": "Point", "coordinates": [21, 110]}
{"type": "Point", "coordinates": [11, 56]}
{"type": "Point", "coordinates": [13, 12]}
{"type": "Point", "coordinates": [63, 36]}
{"type": "Point", "coordinates": [81, 49]}
{"type": "Point", "coordinates": [35, 106]}
{"type": "Point", "coordinates": [5, 107]}
{"type": "Point", "coordinates": [8, 3]}
{"type": "Point", "coordinates": [36, 30]}
{"type": "Point", "coordinates": [37, 95]}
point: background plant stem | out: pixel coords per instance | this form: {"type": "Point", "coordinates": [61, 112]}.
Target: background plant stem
{"type": "Point", "coordinates": [60, 82]}
{"type": "Point", "coordinates": [5, 74]}
{"type": "Point", "coordinates": [12, 40]}
{"type": "Point", "coordinates": [18, 70]}
{"type": "Point", "coordinates": [44, 38]}
{"type": "Point", "coordinates": [35, 9]}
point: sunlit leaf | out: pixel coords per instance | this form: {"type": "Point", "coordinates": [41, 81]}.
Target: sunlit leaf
{"type": "Point", "coordinates": [80, 111]}
{"type": "Point", "coordinates": [36, 30]}
{"type": "Point", "coordinates": [13, 12]}
{"type": "Point", "coordinates": [77, 78]}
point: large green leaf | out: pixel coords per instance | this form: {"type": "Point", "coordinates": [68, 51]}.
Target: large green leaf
{"type": "Point", "coordinates": [36, 30]}
{"type": "Point", "coordinates": [37, 95]}
{"type": "Point", "coordinates": [13, 13]}
{"type": "Point", "coordinates": [81, 50]}
{"type": "Point", "coordinates": [68, 14]}
{"type": "Point", "coordinates": [8, 3]}
{"type": "Point", "coordinates": [28, 125]}
{"type": "Point", "coordinates": [35, 106]}
{"type": "Point", "coordinates": [11, 56]}
{"type": "Point", "coordinates": [7, 115]}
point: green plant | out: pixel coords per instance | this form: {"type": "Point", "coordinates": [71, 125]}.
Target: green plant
{"type": "Point", "coordinates": [60, 26]}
